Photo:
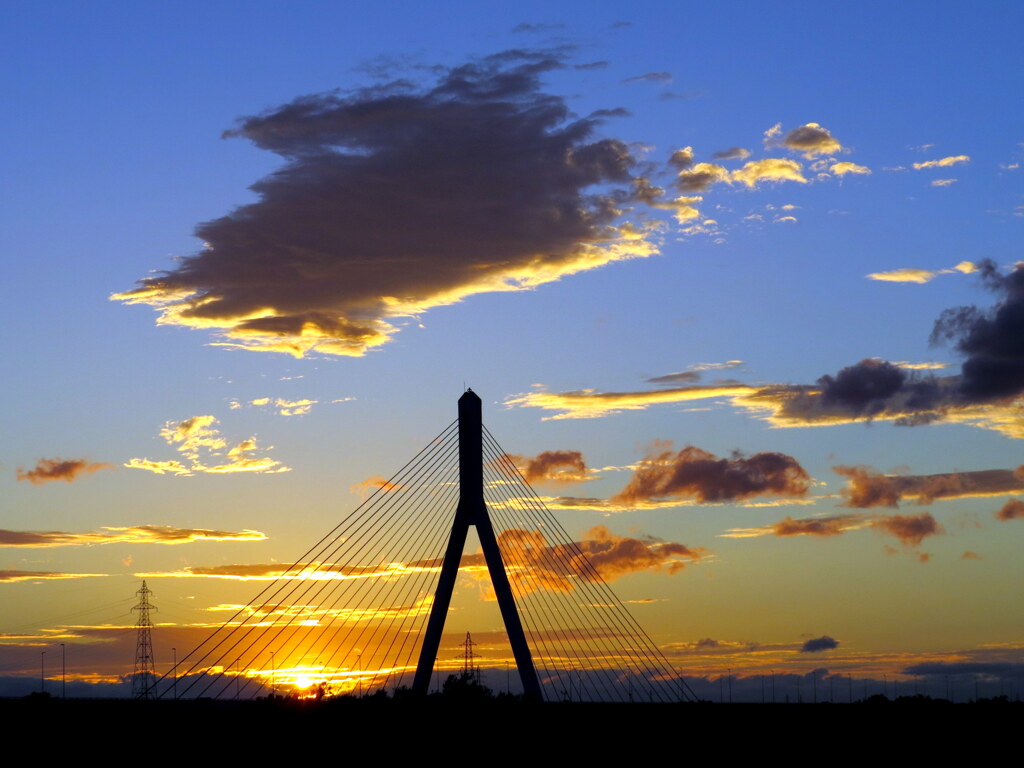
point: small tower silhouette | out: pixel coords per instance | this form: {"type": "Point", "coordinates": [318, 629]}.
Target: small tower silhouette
{"type": "Point", "coordinates": [469, 666]}
{"type": "Point", "coordinates": [145, 669]}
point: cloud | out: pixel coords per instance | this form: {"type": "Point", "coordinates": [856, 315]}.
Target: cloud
{"type": "Point", "coordinates": [614, 556]}
{"type": "Point", "coordinates": [868, 488]}
{"type": "Point", "coordinates": [911, 275]}
{"type": "Point", "coordinates": [589, 403]}
{"type": "Point", "coordinates": [140, 534]}
{"type": "Point", "coordinates": [552, 467]}
{"type": "Point", "coordinates": [68, 470]}
{"type": "Point", "coordinates": [943, 669]}
{"type": "Point", "coordinates": [832, 525]}
{"type": "Point", "coordinates": [811, 140]}
{"type": "Point", "coordinates": [904, 275]}
{"type": "Point", "coordinates": [696, 474]}
{"type": "Point", "coordinates": [823, 643]}
{"type": "Point", "coordinates": [682, 158]}
{"type": "Point", "coordinates": [943, 182]}
{"type": "Point", "coordinates": [398, 198]}
{"type": "Point", "coordinates": [525, 27]}
{"type": "Point", "coordinates": [683, 207]}
{"type": "Point", "coordinates": [845, 167]}
{"type": "Point", "coordinates": [159, 467]}
{"type": "Point", "coordinates": [12, 576]}
{"type": "Point", "coordinates": [534, 565]}
{"type": "Point", "coordinates": [1012, 510]}
{"type": "Point", "coordinates": [700, 177]}
{"type": "Point", "coordinates": [371, 484]}
{"type": "Point", "coordinates": [944, 162]}
{"type": "Point", "coordinates": [199, 440]}
{"type": "Point", "coordinates": [682, 377]}
{"type": "Point", "coordinates": [650, 77]}
{"type": "Point", "coordinates": [992, 341]}
{"type": "Point", "coordinates": [732, 153]}
{"type": "Point", "coordinates": [909, 529]}
{"type": "Point", "coordinates": [769, 169]}
{"type": "Point", "coordinates": [987, 394]}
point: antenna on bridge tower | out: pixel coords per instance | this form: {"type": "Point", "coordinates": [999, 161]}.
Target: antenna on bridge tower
{"type": "Point", "coordinates": [472, 510]}
{"type": "Point", "coordinates": [145, 672]}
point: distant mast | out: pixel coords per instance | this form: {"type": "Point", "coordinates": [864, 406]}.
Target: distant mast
{"type": "Point", "coordinates": [145, 669]}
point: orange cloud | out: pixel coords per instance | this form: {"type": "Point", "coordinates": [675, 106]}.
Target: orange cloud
{"type": "Point", "coordinates": [1013, 509]}
{"type": "Point", "coordinates": [909, 529]}
{"type": "Point", "coordinates": [377, 482]}
{"type": "Point", "coordinates": [68, 470]}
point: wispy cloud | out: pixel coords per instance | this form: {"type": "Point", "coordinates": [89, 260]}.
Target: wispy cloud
{"type": "Point", "coordinates": [650, 77]}
{"type": "Point", "coordinates": [199, 440]}
{"type": "Point", "coordinates": [68, 470]}
{"type": "Point", "coordinates": [911, 530]}
{"type": "Point", "coordinates": [371, 484]}
{"type": "Point", "coordinates": [140, 534]}
{"type": "Point", "coordinates": [868, 488]}
{"type": "Point", "coordinates": [944, 162]}
{"type": "Point", "coordinates": [11, 576]}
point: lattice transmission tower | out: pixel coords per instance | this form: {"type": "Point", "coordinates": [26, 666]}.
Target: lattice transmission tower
{"type": "Point", "coordinates": [144, 677]}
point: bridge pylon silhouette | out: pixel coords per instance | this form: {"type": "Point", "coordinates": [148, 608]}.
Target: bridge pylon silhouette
{"type": "Point", "coordinates": [350, 615]}
{"type": "Point", "coordinates": [472, 510]}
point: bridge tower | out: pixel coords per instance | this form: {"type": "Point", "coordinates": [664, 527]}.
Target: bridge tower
{"type": "Point", "coordinates": [472, 510]}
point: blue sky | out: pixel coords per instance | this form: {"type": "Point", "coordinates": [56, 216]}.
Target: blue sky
{"type": "Point", "coordinates": [114, 155]}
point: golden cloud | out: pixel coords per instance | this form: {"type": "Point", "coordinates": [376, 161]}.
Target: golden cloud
{"type": "Point", "coordinates": [904, 275]}
{"type": "Point", "coordinates": [11, 576]}
{"type": "Point", "coordinates": [845, 167]}
{"type": "Point", "coordinates": [140, 534]}
{"type": "Point", "coordinates": [944, 162]}
{"type": "Point", "coordinates": [199, 435]}
{"type": "Point", "coordinates": [769, 169]}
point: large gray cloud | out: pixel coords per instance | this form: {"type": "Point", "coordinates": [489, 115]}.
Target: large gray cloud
{"type": "Point", "coordinates": [401, 197]}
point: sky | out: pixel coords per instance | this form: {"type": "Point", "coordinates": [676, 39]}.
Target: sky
{"type": "Point", "coordinates": [736, 284]}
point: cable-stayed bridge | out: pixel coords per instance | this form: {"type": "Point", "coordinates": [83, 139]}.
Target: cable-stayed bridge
{"type": "Point", "coordinates": [364, 609]}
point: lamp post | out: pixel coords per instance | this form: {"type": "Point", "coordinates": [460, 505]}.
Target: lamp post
{"type": "Point", "coordinates": [42, 672]}
{"type": "Point", "coordinates": [63, 673]}
{"type": "Point", "coordinates": [174, 673]}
